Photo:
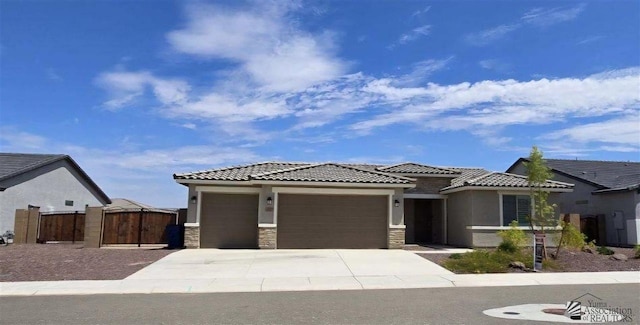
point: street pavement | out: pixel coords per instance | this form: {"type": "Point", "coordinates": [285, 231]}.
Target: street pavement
{"type": "Point", "coordinates": [406, 306]}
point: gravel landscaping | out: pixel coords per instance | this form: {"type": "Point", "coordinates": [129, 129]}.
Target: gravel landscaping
{"type": "Point", "coordinates": [52, 262]}
{"type": "Point", "coordinates": [576, 261]}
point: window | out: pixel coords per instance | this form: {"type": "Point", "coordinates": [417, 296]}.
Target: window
{"type": "Point", "coordinates": [68, 203]}
{"type": "Point", "coordinates": [516, 207]}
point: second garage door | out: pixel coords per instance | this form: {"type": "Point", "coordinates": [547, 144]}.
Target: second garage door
{"type": "Point", "coordinates": [332, 221]}
{"type": "Point", "coordinates": [229, 221]}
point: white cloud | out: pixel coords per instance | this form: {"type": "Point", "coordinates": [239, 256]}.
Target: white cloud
{"type": "Point", "coordinates": [53, 75]}
{"type": "Point", "coordinates": [265, 45]}
{"type": "Point", "coordinates": [12, 138]}
{"type": "Point", "coordinates": [420, 12]}
{"type": "Point", "coordinates": [490, 104]}
{"type": "Point", "coordinates": [495, 65]}
{"type": "Point", "coordinates": [590, 39]}
{"type": "Point", "coordinates": [617, 133]}
{"type": "Point", "coordinates": [124, 87]}
{"type": "Point", "coordinates": [537, 17]}
{"type": "Point", "coordinates": [487, 36]}
{"type": "Point", "coordinates": [414, 34]}
{"type": "Point", "coordinates": [421, 70]}
{"type": "Point", "coordinates": [547, 17]}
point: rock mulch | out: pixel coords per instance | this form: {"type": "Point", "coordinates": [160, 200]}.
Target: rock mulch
{"type": "Point", "coordinates": [53, 262]}
{"type": "Point", "coordinates": [577, 261]}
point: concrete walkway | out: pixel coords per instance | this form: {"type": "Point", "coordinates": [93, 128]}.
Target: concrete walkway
{"type": "Point", "coordinates": [200, 271]}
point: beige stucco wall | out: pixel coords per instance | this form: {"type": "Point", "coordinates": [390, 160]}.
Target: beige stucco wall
{"type": "Point", "coordinates": [608, 204]}
{"type": "Point", "coordinates": [459, 215]}
{"type": "Point", "coordinates": [47, 187]}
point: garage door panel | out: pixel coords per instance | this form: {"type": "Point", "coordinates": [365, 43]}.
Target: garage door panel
{"type": "Point", "coordinates": [332, 221]}
{"type": "Point", "coordinates": [229, 221]}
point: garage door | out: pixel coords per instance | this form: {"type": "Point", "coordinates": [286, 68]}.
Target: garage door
{"type": "Point", "coordinates": [229, 221]}
{"type": "Point", "coordinates": [332, 221]}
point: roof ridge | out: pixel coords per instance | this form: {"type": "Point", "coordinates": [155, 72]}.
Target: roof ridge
{"type": "Point", "coordinates": [285, 170]}
{"type": "Point", "coordinates": [235, 166]}
{"type": "Point", "coordinates": [419, 165]}
{"type": "Point", "coordinates": [334, 164]}
{"type": "Point", "coordinates": [469, 181]}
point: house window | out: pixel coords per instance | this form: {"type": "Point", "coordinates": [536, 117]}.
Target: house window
{"type": "Point", "coordinates": [516, 207]}
{"type": "Point", "coordinates": [68, 203]}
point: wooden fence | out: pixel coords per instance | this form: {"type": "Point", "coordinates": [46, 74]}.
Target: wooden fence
{"type": "Point", "coordinates": [61, 226]}
{"type": "Point", "coordinates": [136, 227]}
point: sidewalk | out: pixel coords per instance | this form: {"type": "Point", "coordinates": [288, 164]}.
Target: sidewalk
{"type": "Point", "coordinates": [309, 283]}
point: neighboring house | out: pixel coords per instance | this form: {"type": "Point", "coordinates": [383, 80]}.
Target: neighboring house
{"type": "Point", "coordinates": [52, 182]}
{"type": "Point", "coordinates": [329, 205]}
{"type": "Point", "coordinates": [610, 189]}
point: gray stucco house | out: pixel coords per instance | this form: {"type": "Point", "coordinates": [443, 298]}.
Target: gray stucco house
{"type": "Point", "coordinates": [333, 205]}
{"type": "Point", "coordinates": [52, 182]}
{"type": "Point", "coordinates": [606, 192]}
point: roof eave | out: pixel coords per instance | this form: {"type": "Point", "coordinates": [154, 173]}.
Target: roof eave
{"type": "Point", "coordinates": [500, 188]}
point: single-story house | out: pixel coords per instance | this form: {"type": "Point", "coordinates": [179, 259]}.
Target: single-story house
{"type": "Point", "coordinates": [332, 205]}
{"type": "Point", "coordinates": [52, 182]}
{"type": "Point", "coordinates": [606, 193]}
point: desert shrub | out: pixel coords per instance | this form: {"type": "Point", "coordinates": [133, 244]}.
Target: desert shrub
{"type": "Point", "coordinates": [508, 247]}
{"type": "Point", "coordinates": [605, 250]}
{"type": "Point", "coordinates": [572, 237]}
{"type": "Point", "coordinates": [485, 261]}
{"type": "Point", "coordinates": [592, 244]}
{"type": "Point", "coordinates": [636, 250]}
{"type": "Point", "coordinates": [455, 256]}
{"type": "Point", "coordinates": [514, 235]}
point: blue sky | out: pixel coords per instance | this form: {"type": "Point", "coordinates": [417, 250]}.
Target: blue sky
{"type": "Point", "coordinates": [138, 90]}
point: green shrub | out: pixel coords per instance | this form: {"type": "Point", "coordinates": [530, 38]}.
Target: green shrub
{"type": "Point", "coordinates": [604, 250]}
{"type": "Point", "coordinates": [485, 261]}
{"type": "Point", "coordinates": [572, 237]}
{"type": "Point", "coordinates": [513, 235]}
{"type": "Point", "coordinates": [636, 250]}
{"type": "Point", "coordinates": [455, 256]}
{"type": "Point", "coordinates": [508, 247]}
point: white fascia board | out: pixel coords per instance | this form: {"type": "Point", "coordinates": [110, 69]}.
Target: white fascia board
{"type": "Point", "coordinates": [500, 188]}
{"type": "Point", "coordinates": [229, 189]}
{"type": "Point", "coordinates": [213, 182]}
{"type": "Point", "coordinates": [191, 224]}
{"type": "Point", "coordinates": [397, 226]}
{"type": "Point", "coordinates": [424, 196]}
{"type": "Point", "coordinates": [267, 225]}
{"type": "Point", "coordinates": [328, 191]}
{"type": "Point", "coordinates": [332, 184]}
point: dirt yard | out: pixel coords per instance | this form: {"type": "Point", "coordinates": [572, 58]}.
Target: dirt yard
{"type": "Point", "coordinates": [576, 261]}
{"type": "Point", "coordinates": [51, 262]}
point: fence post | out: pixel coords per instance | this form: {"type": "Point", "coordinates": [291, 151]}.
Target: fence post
{"type": "Point", "coordinates": [140, 227]}
{"type": "Point", "coordinates": [93, 227]}
{"type": "Point", "coordinates": [75, 220]}
{"type": "Point", "coordinates": [32, 224]}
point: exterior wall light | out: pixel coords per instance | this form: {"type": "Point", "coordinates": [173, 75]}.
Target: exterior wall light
{"type": "Point", "coordinates": [269, 201]}
{"type": "Point", "coordinates": [396, 203]}
{"type": "Point", "coordinates": [194, 199]}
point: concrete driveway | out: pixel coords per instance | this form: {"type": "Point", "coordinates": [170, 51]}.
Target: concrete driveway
{"type": "Point", "coordinates": [295, 269]}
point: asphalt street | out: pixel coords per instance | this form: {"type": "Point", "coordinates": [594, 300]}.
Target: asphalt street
{"type": "Point", "coordinates": [407, 306]}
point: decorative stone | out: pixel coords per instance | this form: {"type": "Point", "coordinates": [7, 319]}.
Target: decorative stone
{"type": "Point", "coordinates": [517, 265]}
{"type": "Point", "coordinates": [267, 237]}
{"type": "Point", "coordinates": [619, 257]}
{"type": "Point", "coordinates": [192, 236]}
{"type": "Point", "coordinates": [395, 239]}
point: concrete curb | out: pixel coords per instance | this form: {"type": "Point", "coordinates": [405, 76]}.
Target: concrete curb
{"type": "Point", "coordinates": [213, 285]}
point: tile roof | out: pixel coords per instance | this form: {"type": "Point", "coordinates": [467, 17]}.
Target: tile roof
{"type": "Point", "coordinates": [335, 173]}
{"type": "Point", "coordinates": [237, 173]}
{"type": "Point", "coordinates": [277, 171]}
{"type": "Point", "coordinates": [413, 168]}
{"type": "Point", "coordinates": [467, 174]}
{"type": "Point", "coordinates": [12, 164]}
{"type": "Point", "coordinates": [121, 205]}
{"type": "Point", "coordinates": [497, 179]}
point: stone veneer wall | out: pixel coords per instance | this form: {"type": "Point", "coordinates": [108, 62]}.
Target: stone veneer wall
{"type": "Point", "coordinates": [192, 236]}
{"type": "Point", "coordinates": [267, 237]}
{"type": "Point", "coordinates": [395, 239]}
{"type": "Point", "coordinates": [430, 185]}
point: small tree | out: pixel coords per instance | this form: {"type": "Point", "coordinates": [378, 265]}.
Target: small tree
{"type": "Point", "coordinates": [543, 213]}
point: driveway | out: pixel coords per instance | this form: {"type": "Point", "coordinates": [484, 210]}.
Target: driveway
{"type": "Point", "coordinates": [296, 269]}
